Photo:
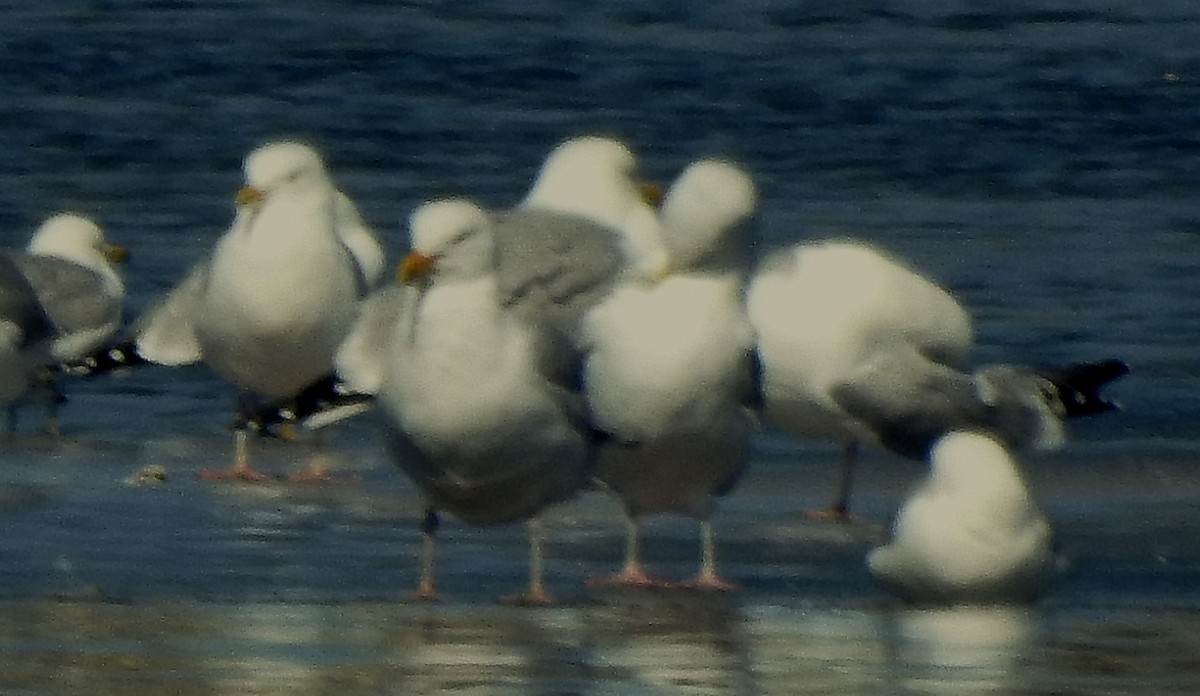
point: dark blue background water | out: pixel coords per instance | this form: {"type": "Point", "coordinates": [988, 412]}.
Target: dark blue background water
{"type": "Point", "coordinates": [1042, 159]}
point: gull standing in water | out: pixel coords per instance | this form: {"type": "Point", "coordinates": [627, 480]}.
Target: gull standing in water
{"type": "Point", "coordinates": [970, 533]}
{"type": "Point", "coordinates": [279, 292]}
{"type": "Point", "coordinates": [482, 405]}
{"type": "Point", "coordinates": [69, 264]}
{"type": "Point", "coordinates": [670, 367]}
{"type": "Point", "coordinates": [860, 349]}
{"type": "Point", "coordinates": [818, 311]}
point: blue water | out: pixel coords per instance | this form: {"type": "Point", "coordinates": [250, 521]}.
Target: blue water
{"type": "Point", "coordinates": [1041, 159]}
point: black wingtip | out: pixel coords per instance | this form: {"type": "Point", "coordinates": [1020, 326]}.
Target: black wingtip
{"type": "Point", "coordinates": [323, 402]}
{"type": "Point", "coordinates": [105, 360]}
{"type": "Point", "coordinates": [1079, 386]}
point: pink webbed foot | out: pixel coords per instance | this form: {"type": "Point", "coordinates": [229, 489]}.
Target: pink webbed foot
{"type": "Point", "coordinates": [425, 592]}
{"type": "Point", "coordinates": [240, 471]}
{"type": "Point", "coordinates": [319, 474]}
{"type": "Point", "coordinates": [629, 577]}
{"type": "Point", "coordinates": [535, 596]}
{"type": "Point", "coordinates": [709, 581]}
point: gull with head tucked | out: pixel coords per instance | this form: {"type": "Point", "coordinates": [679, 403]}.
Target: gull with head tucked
{"type": "Point", "coordinates": [277, 295]}
{"type": "Point", "coordinates": [970, 533]}
{"type": "Point", "coordinates": [670, 367]}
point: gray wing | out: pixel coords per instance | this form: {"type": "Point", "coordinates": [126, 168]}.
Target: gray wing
{"type": "Point", "coordinates": [22, 315]}
{"type": "Point", "coordinates": [165, 333]}
{"type": "Point", "coordinates": [909, 402]}
{"type": "Point", "coordinates": [1023, 406]}
{"type": "Point", "coordinates": [559, 361]}
{"type": "Point", "coordinates": [73, 296]}
{"type": "Point", "coordinates": [362, 359]}
{"type": "Point", "coordinates": [553, 267]}
{"type": "Point", "coordinates": [359, 240]}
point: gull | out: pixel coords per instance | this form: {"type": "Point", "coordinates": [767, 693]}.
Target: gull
{"type": "Point", "coordinates": [970, 532]}
{"type": "Point", "coordinates": [26, 338]}
{"type": "Point", "coordinates": [481, 402]}
{"type": "Point", "coordinates": [586, 222]}
{"type": "Point", "coordinates": [70, 266]}
{"type": "Point", "coordinates": [269, 306]}
{"type": "Point", "coordinates": [858, 348]}
{"type": "Point", "coordinates": [595, 178]}
{"type": "Point", "coordinates": [670, 367]}
{"type": "Point", "coordinates": [819, 310]}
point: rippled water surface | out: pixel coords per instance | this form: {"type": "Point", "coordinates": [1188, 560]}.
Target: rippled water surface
{"type": "Point", "coordinates": [1040, 158]}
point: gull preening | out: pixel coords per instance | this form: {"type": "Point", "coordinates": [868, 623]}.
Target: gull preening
{"type": "Point", "coordinates": [670, 367]}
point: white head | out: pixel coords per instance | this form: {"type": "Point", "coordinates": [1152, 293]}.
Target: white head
{"type": "Point", "coordinates": [283, 167]}
{"type": "Point", "coordinates": [709, 201]}
{"type": "Point", "coordinates": [451, 238]}
{"type": "Point", "coordinates": [79, 240]}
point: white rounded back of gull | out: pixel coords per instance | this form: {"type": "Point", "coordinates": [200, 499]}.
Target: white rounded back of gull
{"type": "Point", "coordinates": [970, 532]}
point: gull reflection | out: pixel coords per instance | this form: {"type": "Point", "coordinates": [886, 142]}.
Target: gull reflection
{"type": "Point", "coordinates": [484, 650]}
{"type": "Point", "coordinates": [959, 650]}
{"type": "Point", "coordinates": [670, 642]}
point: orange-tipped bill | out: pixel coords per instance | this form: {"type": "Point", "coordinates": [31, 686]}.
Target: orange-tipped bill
{"type": "Point", "coordinates": [249, 195]}
{"type": "Point", "coordinates": [415, 266]}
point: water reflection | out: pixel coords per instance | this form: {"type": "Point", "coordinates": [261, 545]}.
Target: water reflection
{"type": "Point", "coordinates": [678, 643]}
{"type": "Point", "coordinates": [958, 650]}
{"type": "Point", "coordinates": [618, 643]}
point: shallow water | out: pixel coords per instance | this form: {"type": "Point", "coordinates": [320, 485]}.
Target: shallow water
{"type": "Point", "coordinates": [1039, 158]}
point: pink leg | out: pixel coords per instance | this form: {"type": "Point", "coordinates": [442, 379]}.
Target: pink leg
{"type": "Point", "coordinates": [535, 594]}
{"type": "Point", "coordinates": [241, 469]}
{"type": "Point", "coordinates": [426, 591]}
{"type": "Point", "coordinates": [707, 578]}
{"type": "Point", "coordinates": [634, 573]}
{"type": "Point", "coordinates": [318, 472]}
{"type": "Point", "coordinates": [839, 511]}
